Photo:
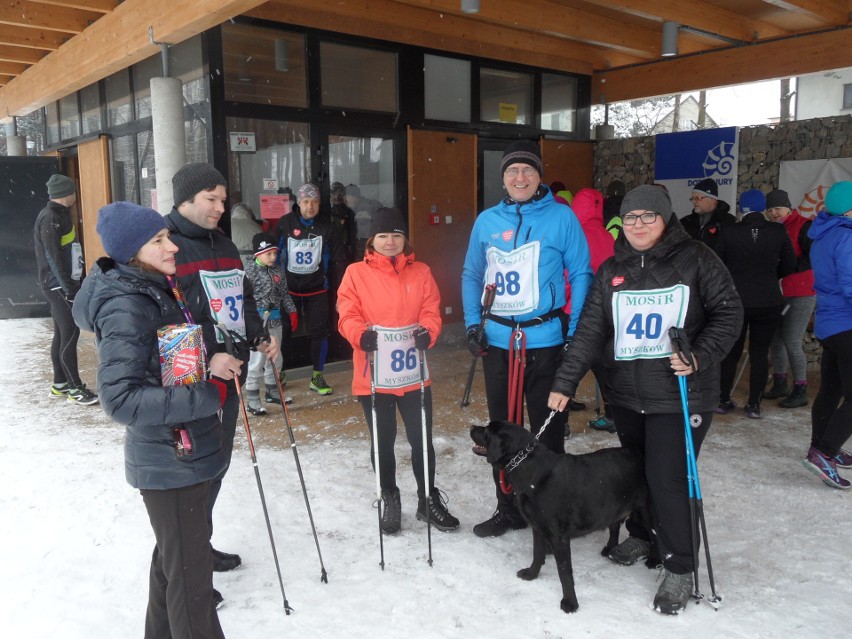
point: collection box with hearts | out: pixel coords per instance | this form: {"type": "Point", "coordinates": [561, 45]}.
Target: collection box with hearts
{"type": "Point", "coordinates": [181, 354]}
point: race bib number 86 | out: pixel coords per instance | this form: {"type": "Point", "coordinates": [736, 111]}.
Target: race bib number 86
{"type": "Point", "coordinates": [642, 320]}
{"type": "Point", "coordinates": [397, 364]}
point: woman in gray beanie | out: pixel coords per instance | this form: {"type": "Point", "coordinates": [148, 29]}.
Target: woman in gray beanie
{"type": "Point", "coordinates": [659, 277]}
{"type": "Point", "coordinates": [173, 434]}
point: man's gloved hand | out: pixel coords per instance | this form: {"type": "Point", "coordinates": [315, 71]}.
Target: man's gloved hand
{"type": "Point", "coordinates": [422, 339]}
{"type": "Point", "coordinates": [369, 341]}
{"type": "Point", "coordinates": [477, 343]}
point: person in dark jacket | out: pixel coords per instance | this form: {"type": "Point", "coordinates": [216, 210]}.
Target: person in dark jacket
{"type": "Point", "coordinates": [758, 253]}
{"type": "Point", "coordinates": [657, 278]}
{"type": "Point", "coordinates": [311, 253]}
{"type": "Point", "coordinates": [59, 259]}
{"type": "Point", "coordinates": [173, 435]}
{"type": "Point", "coordinates": [831, 414]}
{"type": "Point", "coordinates": [710, 215]}
{"type": "Point", "coordinates": [211, 273]}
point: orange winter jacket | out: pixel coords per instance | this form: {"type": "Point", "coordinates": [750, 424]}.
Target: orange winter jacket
{"type": "Point", "coordinates": [391, 292]}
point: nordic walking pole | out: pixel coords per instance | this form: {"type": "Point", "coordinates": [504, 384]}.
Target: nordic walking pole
{"type": "Point", "coordinates": [376, 461]}
{"type": "Point", "coordinates": [229, 346]}
{"type": "Point", "coordinates": [696, 503]}
{"type": "Point", "coordinates": [740, 374]}
{"type": "Point", "coordinates": [487, 303]}
{"type": "Point", "coordinates": [422, 355]}
{"type": "Point", "coordinates": [294, 448]}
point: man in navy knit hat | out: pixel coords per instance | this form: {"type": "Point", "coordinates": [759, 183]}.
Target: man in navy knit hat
{"type": "Point", "coordinates": [709, 216]}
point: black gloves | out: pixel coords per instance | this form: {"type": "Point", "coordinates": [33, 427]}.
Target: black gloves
{"type": "Point", "coordinates": [477, 343]}
{"type": "Point", "coordinates": [422, 339]}
{"type": "Point", "coordinates": [369, 341]}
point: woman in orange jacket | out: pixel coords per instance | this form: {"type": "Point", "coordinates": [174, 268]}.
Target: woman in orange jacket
{"type": "Point", "coordinates": [389, 308]}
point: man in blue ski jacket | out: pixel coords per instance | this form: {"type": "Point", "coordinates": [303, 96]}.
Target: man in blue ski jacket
{"type": "Point", "coordinates": [526, 245]}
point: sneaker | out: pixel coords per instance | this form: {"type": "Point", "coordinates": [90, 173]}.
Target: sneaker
{"type": "Point", "coordinates": [752, 412]}
{"type": "Point", "coordinates": [726, 407]}
{"type": "Point", "coordinates": [673, 593]}
{"type": "Point", "coordinates": [843, 459]}
{"type": "Point", "coordinates": [825, 469]}
{"type": "Point", "coordinates": [218, 599]}
{"type": "Point", "coordinates": [272, 395]}
{"type": "Point", "coordinates": [319, 385]}
{"type": "Point", "coordinates": [82, 395]}
{"type": "Point", "coordinates": [779, 388]}
{"type": "Point", "coordinates": [225, 561]}
{"type": "Point", "coordinates": [436, 511]}
{"type": "Point", "coordinates": [499, 523]}
{"type": "Point", "coordinates": [602, 423]}
{"type": "Point", "coordinates": [253, 405]}
{"type": "Point", "coordinates": [797, 398]}
{"type": "Point", "coordinates": [629, 551]}
{"type": "Point", "coordinates": [57, 391]}
{"type": "Point", "coordinates": [392, 512]}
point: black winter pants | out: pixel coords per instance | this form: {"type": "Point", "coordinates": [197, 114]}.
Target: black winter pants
{"type": "Point", "coordinates": [314, 314]}
{"type": "Point", "coordinates": [660, 438]}
{"type": "Point", "coordinates": [230, 412]}
{"type": "Point", "coordinates": [409, 408]}
{"type": "Point", "coordinates": [541, 365]}
{"type": "Point", "coordinates": [760, 323]}
{"type": "Point", "coordinates": [831, 424]}
{"type": "Point", "coordinates": [180, 588]}
{"type": "Point", "coordinates": [63, 348]}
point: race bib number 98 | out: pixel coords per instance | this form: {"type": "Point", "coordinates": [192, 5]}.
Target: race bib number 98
{"type": "Point", "coordinates": [516, 275]}
{"type": "Point", "coordinates": [224, 291]}
{"type": "Point", "coordinates": [396, 361]}
{"type": "Point", "coordinates": [642, 320]}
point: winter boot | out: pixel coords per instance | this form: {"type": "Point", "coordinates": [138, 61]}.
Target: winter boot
{"type": "Point", "coordinates": [673, 593]}
{"type": "Point", "coordinates": [392, 513]}
{"type": "Point", "coordinates": [725, 406]}
{"type": "Point", "coordinates": [319, 385]}
{"type": "Point", "coordinates": [254, 406]}
{"type": "Point", "coordinates": [797, 398]}
{"type": "Point", "coordinates": [752, 411]}
{"type": "Point", "coordinates": [629, 551]}
{"type": "Point", "coordinates": [779, 388]}
{"type": "Point", "coordinates": [225, 561]}
{"type": "Point", "coordinates": [436, 511]}
{"type": "Point", "coordinates": [500, 522]}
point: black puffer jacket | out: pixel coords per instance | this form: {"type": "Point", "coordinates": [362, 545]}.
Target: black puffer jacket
{"type": "Point", "coordinates": [719, 220]}
{"type": "Point", "coordinates": [333, 256]}
{"type": "Point", "coordinates": [124, 307]}
{"type": "Point", "coordinates": [713, 321]}
{"type": "Point", "coordinates": [53, 236]}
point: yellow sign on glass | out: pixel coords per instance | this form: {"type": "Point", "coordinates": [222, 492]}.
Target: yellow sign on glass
{"type": "Point", "coordinates": [508, 112]}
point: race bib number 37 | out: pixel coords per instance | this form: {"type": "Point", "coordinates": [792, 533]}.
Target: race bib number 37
{"type": "Point", "coordinates": [397, 364]}
{"type": "Point", "coordinates": [224, 291]}
{"type": "Point", "coordinates": [642, 320]}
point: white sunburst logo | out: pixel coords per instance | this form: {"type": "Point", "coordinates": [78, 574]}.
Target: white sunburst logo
{"type": "Point", "coordinates": [720, 160]}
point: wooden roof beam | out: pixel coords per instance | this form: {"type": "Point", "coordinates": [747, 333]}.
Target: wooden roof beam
{"type": "Point", "coordinates": [834, 12]}
{"type": "Point", "coordinates": [12, 68]}
{"type": "Point", "coordinates": [25, 13]}
{"type": "Point", "coordinates": [99, 6]}
{"type": "Point", "coordinates": [779, 58]}
{"type": "Point", "coordinates": [20, 54]}
{"type": "Point", "coordinates": [32, 38]}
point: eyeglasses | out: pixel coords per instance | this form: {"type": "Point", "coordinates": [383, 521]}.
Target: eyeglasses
{"type": "Point", "coordinates": [697, 197]}
{"type": "Point", "coordinates": [528, 171]}
{"type": "Point", "coordinates": [647, 218]}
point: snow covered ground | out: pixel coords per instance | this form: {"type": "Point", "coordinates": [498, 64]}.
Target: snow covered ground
{"type": "Point", "coordinates": [76, 540]}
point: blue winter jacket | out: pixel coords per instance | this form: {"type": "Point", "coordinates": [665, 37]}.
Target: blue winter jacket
{"type": "Point", "coordinates": [562, 246]}
{"type": "Point", "coordinates": [831, 259]}
{"type": "Point", "coordinates": [124, 307]}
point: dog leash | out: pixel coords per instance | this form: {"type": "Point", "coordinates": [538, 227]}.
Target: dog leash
{"type": "Point", "coordinates": [520, 456]}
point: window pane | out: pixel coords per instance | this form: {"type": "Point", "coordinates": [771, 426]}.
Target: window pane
{"type": "Point", "coordinates": [142, 74]}
{"type": "Point", "coordinates": [264, 66]}
{"type": "Point", "coordinates": [91, 101]}
{"type": "Point", "coordinates": [118, 98]}
{"type": "Point", "coordinates": [505, 96]}
{"type": "Point", "coordinates": [51, 115]}
{"type": "Point", "coordinates": [358, 78]}
{"type": "Point", "coordinates": [147, 172]}
{"type": "Point", "coordinates": [447, 88]}
{"type": "Point", "coordinates": [197, 134]}
{"type": "Point", "coordinates": [123, 169]}
{"type": "Point", "coordinates": [185, 64]}
{"type": "Point", "coordinates": [558, 102]}
{"type": "Point", "coordinates": [69, 117]}
{"type": "Point", "coordinates": [847, 96]}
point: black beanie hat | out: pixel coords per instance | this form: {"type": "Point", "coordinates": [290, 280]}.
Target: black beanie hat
{"type": "Point", "coordinates": [263, 243]}
{"type": "Point", "coordinates": [648, 197]}
{"type": "Point", "coordinates": [707, 187]}
{"type": "Point", "coordinates": [125, 227]}
{"type": "Point", "coordinates": [59, 186]}
{"type": "Point", "coordinates": [387, 220]}
{"type": "Point", "coordinates": [194, 178]}
{"type": "Point", "coordinates": [778, 198]}
{"type": "Point", "coordinates": [523, 152]}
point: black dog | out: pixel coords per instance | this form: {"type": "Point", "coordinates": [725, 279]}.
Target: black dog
{"type": "Point", "coordinates": [566, 496]}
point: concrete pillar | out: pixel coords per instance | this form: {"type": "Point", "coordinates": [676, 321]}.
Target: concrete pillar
{"type": "Point", "coordinates": [16, 145]}
{"type": "Point", "coordinates": [604, 132]}
{"type": "Point", "coordinates": [169, 136]}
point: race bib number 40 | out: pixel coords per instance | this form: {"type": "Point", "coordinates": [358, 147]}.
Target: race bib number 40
{"type": "Point", "coordinates": [516, 275]}
{"type": "Point", "coordinates": [642, 320]}
{"type": "Point", "coordinates": [396, 361]}
{"type": "Point", "coordinates": [224, 291]}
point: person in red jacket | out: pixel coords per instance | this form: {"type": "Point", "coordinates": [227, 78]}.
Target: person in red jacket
{"type": "Point", "coordinates": [799, 302]}
{"type": "Point", "coordinates": [389, 298]}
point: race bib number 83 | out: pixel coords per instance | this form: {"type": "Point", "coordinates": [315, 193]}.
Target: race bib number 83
{"type": "Point", "coordinates": [642, 320]}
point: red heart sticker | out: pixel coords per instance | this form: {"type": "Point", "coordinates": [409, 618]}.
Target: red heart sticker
{"type": "Point", "coordinates": [216, 304]}
{"type": "Point", "coordinates": [184, 362]}
{"type": "Point", "coordinates": [297, 232]}
{"type": "Point", "coordinates": [618, 280]}
{"type": "Point", "coordinates": [507, 235]}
